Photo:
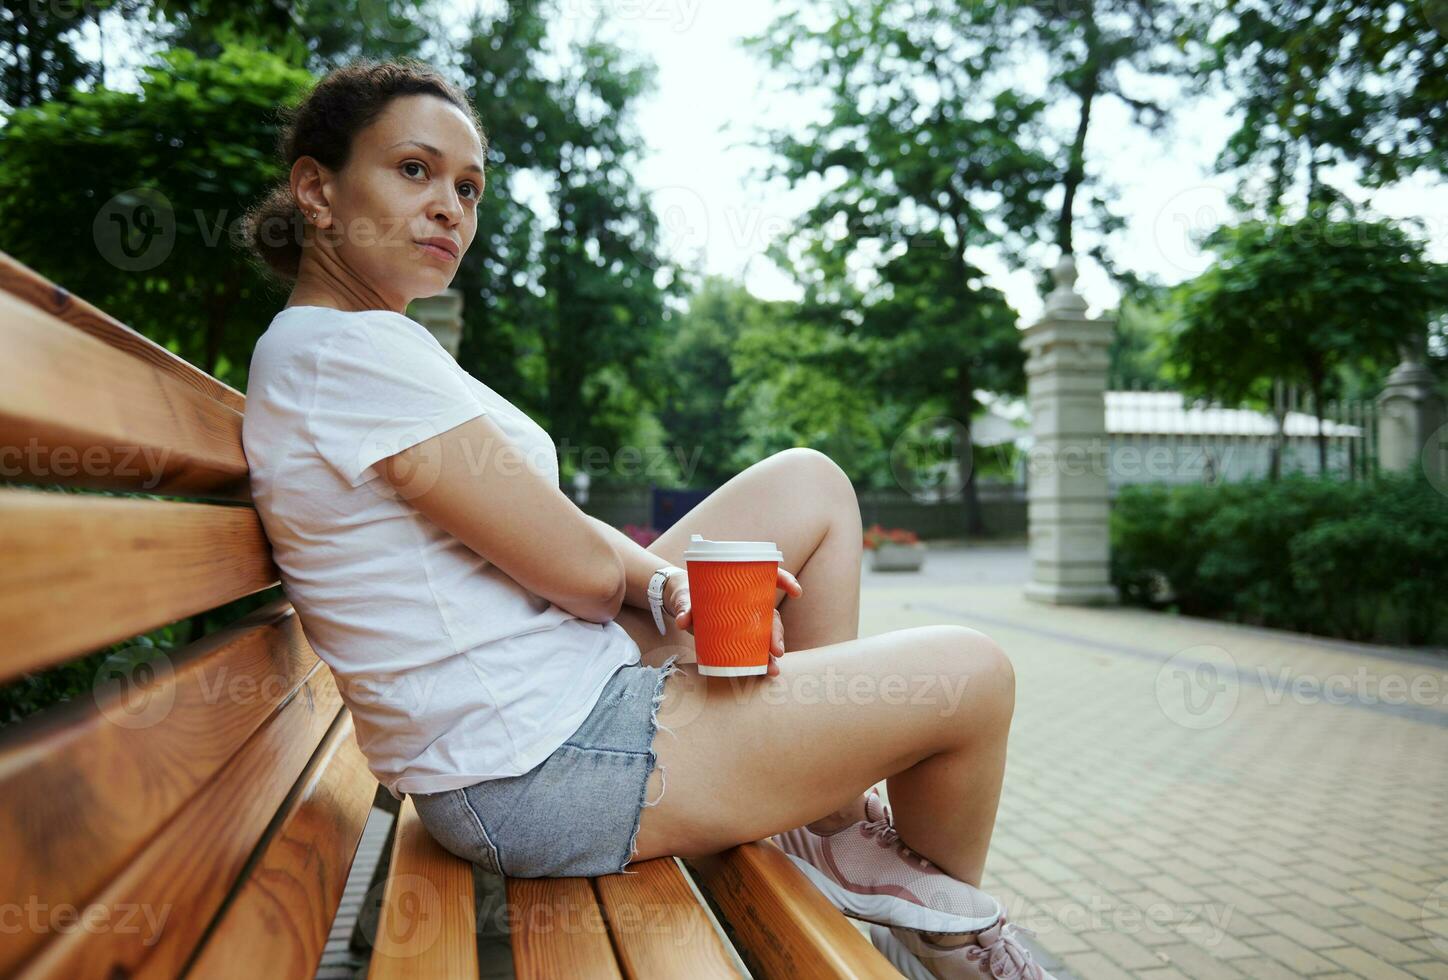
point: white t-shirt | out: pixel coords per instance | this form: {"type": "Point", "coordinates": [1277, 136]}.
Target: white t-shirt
{"type": "Point", "coordinates": [453, 671]}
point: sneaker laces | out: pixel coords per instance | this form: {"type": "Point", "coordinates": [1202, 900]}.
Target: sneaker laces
{"type": "Point", "coordinates": [884, 832]}
{"type": "Point", "coordinates": [1002, 952]}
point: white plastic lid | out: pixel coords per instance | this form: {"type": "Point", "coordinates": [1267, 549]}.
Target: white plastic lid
{"type": "Point", "coordinates": [702, 549]}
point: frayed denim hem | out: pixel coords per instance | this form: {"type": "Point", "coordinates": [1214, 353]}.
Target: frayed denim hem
{"type": "Point", "coordinates": [668, 668]}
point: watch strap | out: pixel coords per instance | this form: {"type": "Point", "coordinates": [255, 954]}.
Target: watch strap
{"type": "Point", "coordinates": [656, 594]}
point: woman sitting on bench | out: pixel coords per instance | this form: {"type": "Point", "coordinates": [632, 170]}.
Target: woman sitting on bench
{"type": "Point", "coordinates": [496, 646]}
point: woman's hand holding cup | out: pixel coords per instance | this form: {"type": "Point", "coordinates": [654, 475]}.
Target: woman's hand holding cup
{"type": "Point", "coordinates": [676, 598]}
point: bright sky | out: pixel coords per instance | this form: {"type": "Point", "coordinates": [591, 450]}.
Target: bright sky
{"type": "Point", "coordinates": [712, 98]}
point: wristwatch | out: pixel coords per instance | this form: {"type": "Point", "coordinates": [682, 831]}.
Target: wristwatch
{"type": "Point", "coordinates": [656, 594]}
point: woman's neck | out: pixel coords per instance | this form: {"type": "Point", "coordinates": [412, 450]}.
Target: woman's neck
{"type": "Point", "coordinates": [318, 285]}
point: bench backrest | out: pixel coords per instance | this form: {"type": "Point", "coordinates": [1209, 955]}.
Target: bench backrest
{"type": "Point", "coordinates": [202, 811]}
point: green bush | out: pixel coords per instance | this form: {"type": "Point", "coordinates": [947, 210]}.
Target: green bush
{"type": "Point", "coordinates": [1364, 561]}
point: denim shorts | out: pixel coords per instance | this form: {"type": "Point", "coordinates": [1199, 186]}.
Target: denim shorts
{"type": "Point", "coordinates": [577, 812]}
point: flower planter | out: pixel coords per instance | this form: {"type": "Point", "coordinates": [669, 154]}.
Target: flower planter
{"type": "Point", "coordinates": [888, 556]}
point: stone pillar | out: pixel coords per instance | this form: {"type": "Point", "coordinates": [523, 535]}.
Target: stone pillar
{"type": "Point", "coordinates": [1410, 417]}
{"type": "Point", "coordinates": [1067, 506]}
{"type": "Point", "coordinates": [442, 315]}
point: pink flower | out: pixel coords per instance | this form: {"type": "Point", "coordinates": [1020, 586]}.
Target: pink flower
{"type": "Point", "coordinates": [875, 535]}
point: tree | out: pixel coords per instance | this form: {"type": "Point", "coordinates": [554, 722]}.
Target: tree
{"type": "Point", "coordinates": [315, 34]}
{"type": "Point", "coordinates": [562, 308]}
{"type": "Point", "coordinates": [927, 150]}
{"type": "Point", "coordinates": [939, 334]}
{"type": "Point", "coordinates": [38, 59]}
{"type": "Point", "coordinates": [786, 397]}
{"type": "Point", "coordinates": [142, 191]}
{"type": "Point", "coordinates": [1304, 301]}
{"type": "Point", "coordinates": [1320, 83]}
{"type": "Point", "coordinates": [920, 136]}
{"type": "Point", "coordinates": [918, 342]}
{"type": "Point", "coordinates": [1138, 352]}
{"type": "Point", "coordinates": [1099, 49]}
{"type": "Point", "coordinates": [695, 375]}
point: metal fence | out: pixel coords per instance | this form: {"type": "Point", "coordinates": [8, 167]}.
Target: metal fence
{"type": "Point", "coordinates": [1002, 507]}
{"type": "Point", "coordinates": [1157, 435]}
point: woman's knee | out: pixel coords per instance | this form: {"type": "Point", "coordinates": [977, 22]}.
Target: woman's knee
{"type": "Point", "coordinates": [818, 470]}
{"type": "Point", "coordinates": [984, 669]}
{"type": "Point", "coordinates": [830, 484]}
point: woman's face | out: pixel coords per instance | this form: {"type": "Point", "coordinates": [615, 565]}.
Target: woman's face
{"type": "Point", "coordinates": [395, 222]}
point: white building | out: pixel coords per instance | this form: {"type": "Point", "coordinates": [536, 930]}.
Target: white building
{"type": "Point", "coordinates": [1158, 436]}
{"type": "Point", "coordinates": [1162, 437]}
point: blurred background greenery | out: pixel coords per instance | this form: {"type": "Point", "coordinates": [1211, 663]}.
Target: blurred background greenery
{"type": "Point", "coordinates": [928, 153]}
{"type": "Point", "coordinates": [578, 314]}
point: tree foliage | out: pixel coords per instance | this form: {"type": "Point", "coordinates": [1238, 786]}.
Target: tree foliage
{"type": "Point", "coordinates": [1304, 301]}
{"type": "Point", "coordinates": [1097, 50]}
{"type": "Point", "coordinates": [143, 192]}
{"type": "Point", "coordinates": [562, 307]}
{"type": "Point", "coordinates": [1325, 82]}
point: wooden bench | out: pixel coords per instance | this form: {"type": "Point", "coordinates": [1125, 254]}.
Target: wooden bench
{"type": "Point", "coordinates": [204, 818]}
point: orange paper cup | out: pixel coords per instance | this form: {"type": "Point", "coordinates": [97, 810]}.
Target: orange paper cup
{"type": "Point", "coordinates": [731, 590]}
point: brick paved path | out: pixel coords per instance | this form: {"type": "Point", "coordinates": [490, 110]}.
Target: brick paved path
{"type": "Point", "coordinates": [1193, 799]}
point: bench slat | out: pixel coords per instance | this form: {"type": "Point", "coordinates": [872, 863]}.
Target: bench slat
{"type": "Point", "coordinates": [427, 928]}
{"type": "Point", "coordinates": [78, 412]}
{"type": "Point", "coordinates": [175, 885]}
{"type": "Point", "coordinates": [557, 929]}
{"type": "Point", "coordinates": [784, 925]}
{"type": "Point", "coordinates": [283, 911]}
{"type": "Point", "coordinates": [29, 285]}
{"type": "Point", "coordinates": [91, 780]}
{"type": "Point", "coordinates": [83, 570]}
{"type": "Point", "coordinates": [658, 926]}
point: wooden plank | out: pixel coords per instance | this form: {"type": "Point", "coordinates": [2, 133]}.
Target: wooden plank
{"type": "Point", "coordinates": [153, 914]}
{"type": "Point", "coordinates": [557, 929]}
{"type": "Point", "coordinates": [87, 783]}
{"type": "Point", "coordinates": [428, 926]}
{"type": "Point", "coordinates": [658, 926]}
{"type": "Point", "coordinates": [78, 412]}
{"type": "Point", "coordinates": [784, 926]}
{"type": "Point", "coordinates": [276, 925]}
{"type": "Point", "coordinates": [27, 284]}
{"type": "Point", "coordinates": [84, 570]}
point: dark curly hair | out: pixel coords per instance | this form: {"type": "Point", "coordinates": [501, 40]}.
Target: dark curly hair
{"type": "Point", "coordinates": [323, 126]}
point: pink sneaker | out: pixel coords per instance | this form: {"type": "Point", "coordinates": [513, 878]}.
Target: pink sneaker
{"type": "Point", "coordinates": [996, 953]}
{"type": "Point", "coordinates": [869, 873]}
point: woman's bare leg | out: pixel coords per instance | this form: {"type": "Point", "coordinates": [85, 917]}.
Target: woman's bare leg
{"type": "Point", "coordinates": [802, 501]}
{"type": "Point", "coordinates": [748, 757]}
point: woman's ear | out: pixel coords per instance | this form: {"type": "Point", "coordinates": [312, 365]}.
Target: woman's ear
{"type": "Point", "coordinates": [310, 182]}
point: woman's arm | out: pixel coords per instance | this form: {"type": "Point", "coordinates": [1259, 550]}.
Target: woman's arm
{"type": "Point", "coordinates": [474, 483]}
{"type": "Point", "coordinates": [639, 565]}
